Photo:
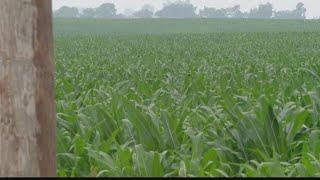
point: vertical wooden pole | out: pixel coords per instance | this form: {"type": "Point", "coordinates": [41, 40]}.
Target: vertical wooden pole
{"type": "Point", "coordinates": [27, 108]}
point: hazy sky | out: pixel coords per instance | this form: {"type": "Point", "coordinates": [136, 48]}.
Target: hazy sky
{"type": "Point", "coordinates": [313, 6]}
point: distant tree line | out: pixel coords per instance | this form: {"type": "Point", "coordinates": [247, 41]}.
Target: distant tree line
{"type": "Point", "coordinates": [184, 9]}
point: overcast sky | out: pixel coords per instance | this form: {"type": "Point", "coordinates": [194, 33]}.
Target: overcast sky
{"type": "Point", "coordinates": [313, 6]}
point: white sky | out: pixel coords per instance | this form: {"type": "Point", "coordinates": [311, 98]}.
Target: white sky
{"type": "Point", "coordinates": [313, 6]}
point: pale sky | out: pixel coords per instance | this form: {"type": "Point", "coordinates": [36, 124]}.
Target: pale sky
{"type": "Point", "coordinates": [313, 6]}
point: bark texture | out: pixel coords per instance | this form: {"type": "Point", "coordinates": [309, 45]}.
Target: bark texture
{"type": "Point", "coordinates": [27, 108]}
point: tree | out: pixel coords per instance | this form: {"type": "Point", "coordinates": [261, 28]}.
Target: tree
{"type": "Point", "coordinates": [264, 11]}
{"type": "Point", "coordinates": [298, 13]}
{"type": "Point", "coordinates": [88, 13]}
{"type": "Point", "coordinates": [180, 9]}
{"type": "Point", "coordinates": [143, 13]}
{"type": "Point", "coordinates": [128, 12]}
{"type": "Point", "coordinates": [148, 7]}
{"type": "Point", "coordinates": [284, 15]}
{"type": "Point", "coordinates": [107, 10]}
{"type": "Point", "coordinates": [233, 12]}
{"type": "Point", "coordinates": [146, 11]}
{"type": "Point", "coordinates": [27, 108]}
{"type": "Point", "coordinates": [66, 12]}
{"type": "Point", "coordinates": [213, 13]}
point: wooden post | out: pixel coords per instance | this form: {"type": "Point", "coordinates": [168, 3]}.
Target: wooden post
{"type": "Point", "coordinates": [27, 108]}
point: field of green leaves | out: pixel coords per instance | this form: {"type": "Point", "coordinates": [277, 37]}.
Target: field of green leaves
{"type": "Point", "coordinates": [202, 103]}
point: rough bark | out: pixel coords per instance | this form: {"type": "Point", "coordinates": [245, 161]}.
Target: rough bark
{"type": "Point", "coordinates": [27, 108]}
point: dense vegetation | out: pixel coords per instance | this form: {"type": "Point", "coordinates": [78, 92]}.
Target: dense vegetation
{"type": "Point", "coordinates": [183, 9]}
{"type": "Point", "coordinates": [187, 104]}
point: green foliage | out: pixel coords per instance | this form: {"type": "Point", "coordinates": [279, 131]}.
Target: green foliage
{"type": "Point", "coordinates": [180, 9]}
{"type": "Point", "coordinates": [264, 11]}
{"type": "Point", "coordinates": [183, 9]}
{"type": "Point", "coordinates": [233, 12]}
{"type": "Point", "coordinates": [189, 104]}
{"type": "Point", "coordinates": [143, 13]}
{"type": "Point", "coordinates": [106, 10]}
{"type": "Point", "coordinates": [66, 12]}
{"type": "Point", "coordinates": [88, 13]}
{"type": "Point", "coordinates": [298, 13]}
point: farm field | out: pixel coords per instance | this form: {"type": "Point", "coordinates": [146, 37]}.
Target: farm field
{"type": "Point", "coordinates": [188, 97]}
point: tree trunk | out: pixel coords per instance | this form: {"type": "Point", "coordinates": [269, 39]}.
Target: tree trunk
{"type": "Point", "coordinates": [27, 108]}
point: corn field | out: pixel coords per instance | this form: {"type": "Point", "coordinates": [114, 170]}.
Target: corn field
{"type": "Point", "coordinates": [215, 100]}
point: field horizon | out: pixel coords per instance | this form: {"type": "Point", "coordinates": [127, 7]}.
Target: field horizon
{"type": "Point", "coordinates": [165, 26]}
